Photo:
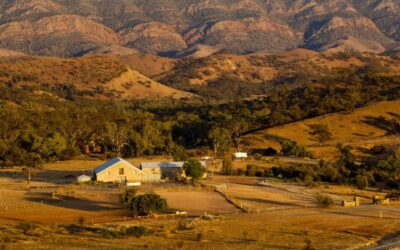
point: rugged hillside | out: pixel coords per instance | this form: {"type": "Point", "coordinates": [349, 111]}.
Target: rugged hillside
{"type": "Point", "coordinates": [175, 27]}
{"type": "Point", "coordinates": [89, 77]}
{"type": "Point", "coordinates": [363, 129]}
{"type": "Point", "coordinates": [228, 76]}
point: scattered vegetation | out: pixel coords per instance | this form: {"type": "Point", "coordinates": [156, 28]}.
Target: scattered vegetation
{"type": "Point", "coordinates": [324, 201]}
{"type": "Point", "coordinates": [346, 170]}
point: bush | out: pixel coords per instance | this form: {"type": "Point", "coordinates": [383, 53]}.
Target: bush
{"type": "Point", "coordinates": [146, 204]}
{"type": "Point", "coordinates": [81, 221]}
{"type": "Point", "coordinates": [26, 227]}
{"type": "Point", "coordinates": [137, 231]}
{"type": "Point", "coordinates": [227, 165]}
{"type": "Point", "coordinates": [179, 153]}
{"type": "Point", "coordinates": [324, 201]}
{"type": "Point", "coordinates": [127, 195]}
{"type": "Point", "coordinates": [251, 170]}
{"type": "Point", "coordinates": [392, 184]}
{"type": "Point", "coordinates": [194, 169]}
{"type": "Point", "coordinates": [292, 148]}
{"type": "Point", "coordinates": [258, 157]}
{"type": "Point", "coordinates": [73, 229]}
{"type": "Point", "coordinates": [361, 182]}
{"type": "Point", "coordinates": [309, 181]}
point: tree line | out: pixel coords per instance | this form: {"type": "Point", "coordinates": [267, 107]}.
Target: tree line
{"type": "Point", "coordinates": [36, 128]}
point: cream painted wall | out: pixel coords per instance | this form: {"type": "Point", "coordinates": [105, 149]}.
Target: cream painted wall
{"type": "Point", "coordinates": [112, 174]}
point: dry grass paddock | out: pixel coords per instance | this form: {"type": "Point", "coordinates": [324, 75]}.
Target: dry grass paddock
{"type": "Point", "coordinates": [53, 198]}
{"type": "Point", "coordinates": [285, 229]}
{"type": "Point", "coordinates": [286, 217]}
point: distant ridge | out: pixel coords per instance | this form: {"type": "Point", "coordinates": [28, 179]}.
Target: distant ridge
{"type": "Point", "coordinates": [176, 28]}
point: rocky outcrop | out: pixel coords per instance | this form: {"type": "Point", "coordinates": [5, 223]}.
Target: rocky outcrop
{"type": "Point", "coordinates": [339, 28]}
{"type": "Point", "coordinates": [154, 38]}
{"type": "Point", "coordinates": [246, 35]}
{"type": "Point", "coordinates": [62, 35]}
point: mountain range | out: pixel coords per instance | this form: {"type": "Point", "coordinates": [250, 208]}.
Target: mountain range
{"type": "Point", "coordinates": [72, 28]}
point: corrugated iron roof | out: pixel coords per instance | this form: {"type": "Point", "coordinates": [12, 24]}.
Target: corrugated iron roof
{"type": "Point", "coordinates": [112, 162]}
{"type": "Point", "coordinates": [161, 164]}
{"type": "Point", "coordinates": [178, 164]}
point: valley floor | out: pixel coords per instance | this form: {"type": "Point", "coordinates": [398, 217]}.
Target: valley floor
{"type": "Point", "coordinates": [281, 215]}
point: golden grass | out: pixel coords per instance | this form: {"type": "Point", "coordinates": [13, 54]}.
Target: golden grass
{"type": "Point", "coordinates": [132, 84]}
{"type": "Point", "coordinates": [346, 128]}
{"type": "Point", "coordinates": [86, 73]}
{"type": "Point", "coordinates": [289, 226]}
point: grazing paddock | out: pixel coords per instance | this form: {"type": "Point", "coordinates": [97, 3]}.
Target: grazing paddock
{"type": "Point", "coordinates": [261, 195]}
{"type": "Point", "coordinates": [197, 202]}
{"type": "Point", "coordinates": [287, 217]}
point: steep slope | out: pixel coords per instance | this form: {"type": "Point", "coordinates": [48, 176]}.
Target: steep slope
{"type": "Point", "coordinates": [133, 85]}
{"type": "Point", "coordinates": [56, 35]}
{"type": "Point", "coordinates": [339, 28]}
{"type": "Point", "coordinates": [154, 38]}
{"type": "Point", "coordinates": [89, 77]}
{"type": "Point", "coordinates": [246, 35]}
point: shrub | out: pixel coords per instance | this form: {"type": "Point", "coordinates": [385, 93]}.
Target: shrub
{"type": "Point", "coordinates": [227, 165]}
{"type": "Point", "coordinates": [292, 148]}
{"type": "Point", "coordinates": [361, 182]}
{"type": "Point", "coordinates": [240, 172]}
{"type": "Point", "coordinates": [320, 132]}
{"type": "Point", "coordinates": [258, 157]}
{"type": "Point", "coordinates": [137, 231]}
{"type": "Point", "coordinates": [81, 221]}
{"type": "Point", "coordinates": [146, 204]}
{"type": "Point", "coordinates": [73, 229]}
{"type": "Point", "coordinates": [392, 184]}
{"type": "Point", "coordinates": [194, 169]}
{"type": "Point", "coordinates": [309, 180]}
{"type": "Point", "coordinates": [127, 195]}
{"type": "Point", "coordinates": [324, 201]}
{"type": "Point", "coordinates": [26, 227]}
{"type": "Point", "coordinates": [251, 170]}
{"type": "Point", "coordinates": [179, 153]}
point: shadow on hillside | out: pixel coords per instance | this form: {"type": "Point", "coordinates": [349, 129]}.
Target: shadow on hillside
{"type": "Point", "coordinates": [391, 126]}
{"type": "Point", "coordinates": [394, 115]}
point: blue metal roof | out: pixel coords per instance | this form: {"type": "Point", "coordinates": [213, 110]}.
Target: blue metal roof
{"type": "Point", "coordinates": [166, 164]}
{"type": "Point", "coordinates": [112, 162]}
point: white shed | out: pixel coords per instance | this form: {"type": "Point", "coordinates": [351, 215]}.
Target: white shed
{"type": "Point", "coordinates": [83, 178]}
{"type": "Point", "coordinates": [240, 155]}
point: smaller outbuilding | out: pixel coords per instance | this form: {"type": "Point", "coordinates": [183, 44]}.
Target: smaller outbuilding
{"type": "Point", "coordinates": [162, 171]}
{"type": "Point", "coordinates": [240, 155]}
{"type": "Point", "coordinates": [83, 178]}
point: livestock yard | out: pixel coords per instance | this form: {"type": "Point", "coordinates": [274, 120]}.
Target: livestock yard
{"type": "Point", "coordinates": [225, 212]}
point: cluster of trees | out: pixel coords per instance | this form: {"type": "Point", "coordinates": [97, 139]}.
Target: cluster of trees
{"type": "Point", "coordinates": [48, 129]}
{"type": "Point", "coordinates": [346, 170]}
{"type": "Point", "coordinates": [143, 204]}
{"type": "Point", "coordinates": [292, 148]}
